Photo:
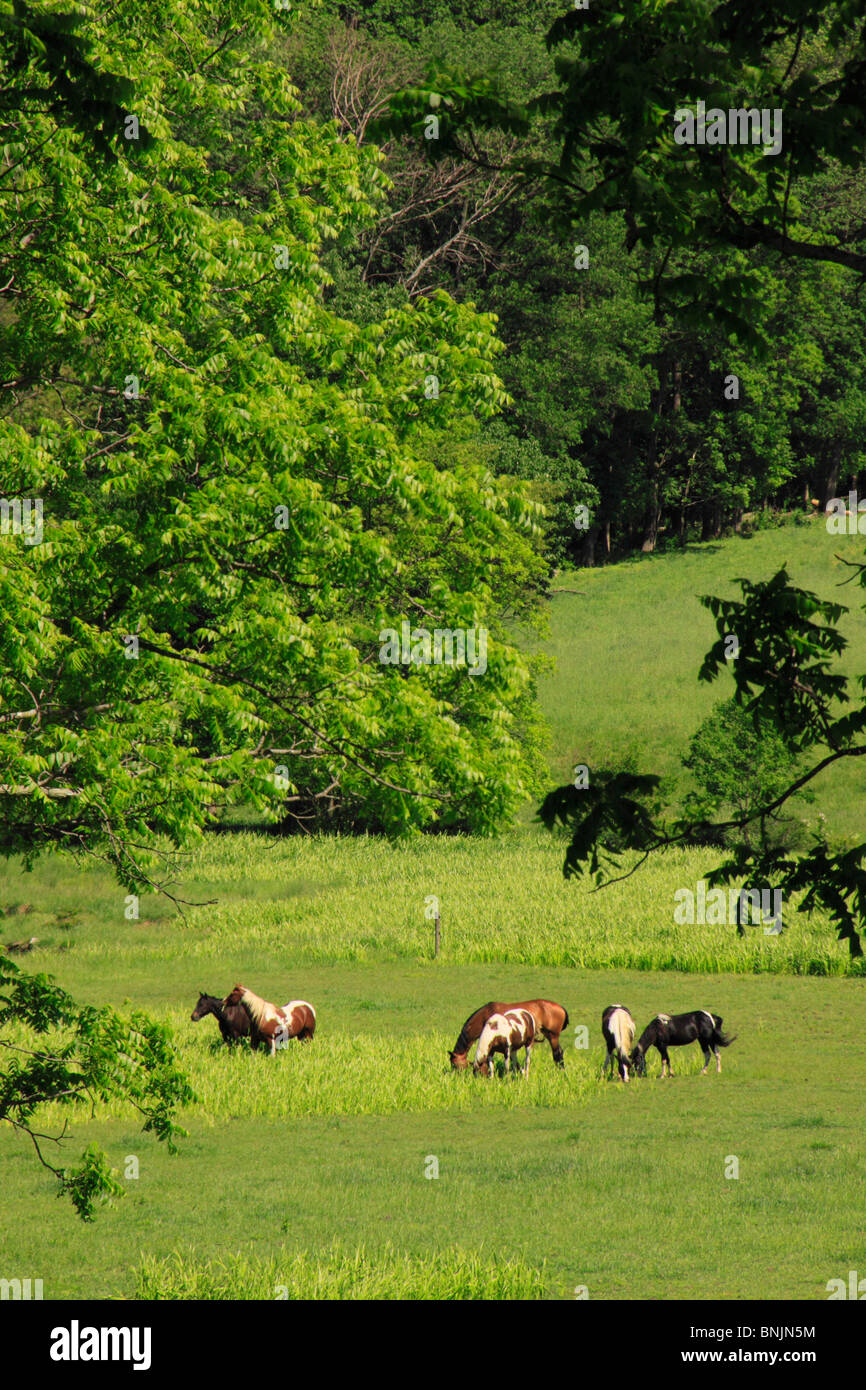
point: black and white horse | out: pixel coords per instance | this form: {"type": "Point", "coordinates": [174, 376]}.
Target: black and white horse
{"type": "Point", "coordinates": [617, 1026]}
{"type": "Point", "coordinates": [677, 1030]}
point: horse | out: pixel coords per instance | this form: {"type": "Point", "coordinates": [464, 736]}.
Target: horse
{"type": "Point", "coordinates": [551, 1019]}
{"type": "Point", "coordinates": [270, 1024]}
{"type": "Point", "coordinates": [506, 1033]}
{"type": "Point", "coordinates": [617, 1026]}
{"type": "Point", "coordinates": [233, 1021]}
{"type": "Point", "coordinates": [677, 1030]}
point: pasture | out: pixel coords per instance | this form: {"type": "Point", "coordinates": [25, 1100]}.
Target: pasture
{"type": "Point", "coordinates": [321, 1152]}
{"type": "Point", "coordinates": [310, 1174]}
{"type": "Point", "coordinates": [584, 1182]}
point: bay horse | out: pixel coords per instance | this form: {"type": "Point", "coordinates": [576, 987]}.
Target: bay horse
{"type": "Point", "coordinates": [506, 1033]}
{"type": "Point", "coordinates": [272, 1025]}
{"type": "Point", "coordinates": [617, 1026]}
{"type": "Point", "coordinates": [233, 1020]}
{"type": "Point", "coordinates": [677, 1030]}
{"type": "Point", "coordinates": [551, 1020]}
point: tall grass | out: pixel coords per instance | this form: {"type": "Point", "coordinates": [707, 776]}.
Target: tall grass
{"type": "Point", "coordinates": [364, 1074]}
{"type": "Point", "coordinates": [360, 899]}
{"type": "Point", "coordinates": [339, 1272]}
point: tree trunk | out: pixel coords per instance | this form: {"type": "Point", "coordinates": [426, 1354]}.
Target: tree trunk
{"type": "Point", "coordinates": [831, 477]}
{"type": "Point", "coordinates": [651, 522]}
{"type": "Point", "coordinates": [706, 521]}
{"type": "Point", "coordinates": [586, 548]}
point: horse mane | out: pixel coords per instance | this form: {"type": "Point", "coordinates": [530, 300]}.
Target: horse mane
{"type": "Point", "coordinates": [465, 1040]}
{"type": "Point", "coordinates": [256, 1006]}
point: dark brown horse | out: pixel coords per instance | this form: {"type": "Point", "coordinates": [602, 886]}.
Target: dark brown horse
{"type": "Point", "coordinates": [551, 1020]}
{"type": "Point", "coordinates": [233, 1020]}
{"type": "Point", "coordinates": [272, 1025]}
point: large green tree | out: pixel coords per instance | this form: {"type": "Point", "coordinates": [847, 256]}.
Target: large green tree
{"type": "Point", "coordinates": [239, 486]}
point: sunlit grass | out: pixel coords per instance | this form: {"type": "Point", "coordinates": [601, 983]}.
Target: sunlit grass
{"type": "Point", "coordinates": [362, 1074]}
{"type": "Point", "coordinates": [341, 1273]}
{"type": "Point", "coordinates": [361, 899]}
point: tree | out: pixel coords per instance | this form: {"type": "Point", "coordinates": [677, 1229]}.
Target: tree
{"type": "Point", "coordinates": [238, 485]}
{"type": "Point", "coordinates": [625, 70]}
{"type": "Point", "coordinates": [90, 1055]}
{"type": "Point", "coordinates": [738, 763]}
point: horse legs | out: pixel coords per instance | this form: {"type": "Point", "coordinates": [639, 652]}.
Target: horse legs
{"type": "Point", "coordinates": [608, 1063]}
{"type": "Point", "coordinates": [553, 1039]}
{"type": "Point", "coordinates": [706, 1052]}
{"type": "Point", "coordinates": [526, 1063]}
{"type": "Point", "coordinates": [718, 1060]}
{"type": "Point", "coordinates": [666, 1061]}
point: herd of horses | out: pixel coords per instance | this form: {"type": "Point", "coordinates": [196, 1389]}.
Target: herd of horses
{"type": "Point", "coordinates": [497, 1028]}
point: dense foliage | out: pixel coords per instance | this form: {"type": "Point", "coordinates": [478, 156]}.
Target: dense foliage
{"type": "Point", "coordinates": [241, 485]}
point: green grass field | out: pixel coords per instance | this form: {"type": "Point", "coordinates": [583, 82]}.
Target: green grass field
{"type": "Point", "coordinates": [304, 1175]}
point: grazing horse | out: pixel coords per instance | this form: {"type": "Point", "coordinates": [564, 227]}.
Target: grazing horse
{"type": "Point", "coordinates": [617, 1026]}
{"type": "Point", "coordinates": [233, 1020]}
{"type": "Point", "coordinates": [677, 1030]}
{"type": "Point", "coordinates": [272, 1025]}
{"type": "Point", "coordinates": [550, 1019]}
{"type": "Point", "coordinates": [506, 1033]}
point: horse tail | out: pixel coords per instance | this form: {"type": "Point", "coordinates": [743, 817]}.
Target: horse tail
{"type": "Point", "coordinates": [622, 1027]}
{"type": "Point", "coordinates": [720, 1039]}
{"type": "Point", "coordinates": [565, 1018]}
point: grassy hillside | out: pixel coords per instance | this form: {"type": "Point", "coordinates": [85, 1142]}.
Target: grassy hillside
{"type": "Point", "coordinates": [629, 644]}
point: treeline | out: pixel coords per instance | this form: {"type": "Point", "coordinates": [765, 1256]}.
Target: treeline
{"type": "Point", "coordinates": [638, 428]}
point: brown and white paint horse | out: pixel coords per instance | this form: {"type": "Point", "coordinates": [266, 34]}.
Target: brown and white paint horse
{"type": "Point", "coordinates": [617, 1026]}
{"type": "Point", "coordinates": [272, 1025]}
{"type": "Point", "coordinates": [506, 1033]}
{"type": "Point", "coordinates": [551, 1019]}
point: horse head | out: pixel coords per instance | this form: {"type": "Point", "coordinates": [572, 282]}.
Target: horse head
{"type": "Point", "coordinates": [638, 1061]}
{"type": "Point", "coordinates": [202, 1007]}
{"type": "Point", "coordinates": [459, 1060]}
